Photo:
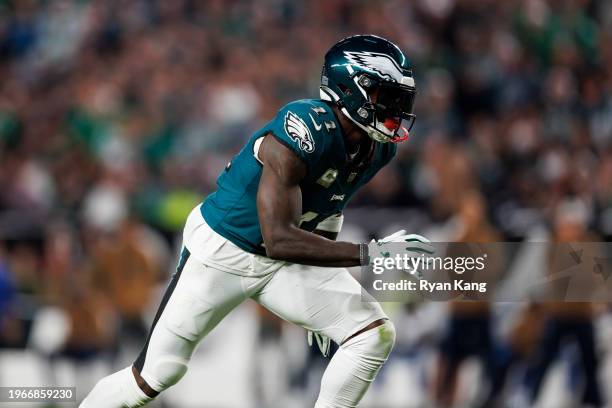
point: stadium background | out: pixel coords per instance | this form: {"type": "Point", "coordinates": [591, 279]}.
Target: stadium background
{"type": "Point", "coordinates": [116, 117]}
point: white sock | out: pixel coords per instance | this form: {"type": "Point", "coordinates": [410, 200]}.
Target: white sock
{"type": "Point", "coordinates": [354, 366]}
{"type": "Point", "coordinates": [118, 390]}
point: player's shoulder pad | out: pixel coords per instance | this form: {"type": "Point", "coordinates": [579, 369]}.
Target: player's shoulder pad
{"type": "Point", "coordinates": [309, 121]}
{"type": "Point", "coordinates": [305, 126]}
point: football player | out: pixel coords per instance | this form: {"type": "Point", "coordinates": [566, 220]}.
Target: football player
{"type": "Point", "coordinates": [268, 232]}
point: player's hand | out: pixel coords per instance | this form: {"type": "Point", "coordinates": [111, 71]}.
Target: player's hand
{"type": "Point", "coordinates": [415, 245]}
{"type": "Point", "coordinates": [323, 342]}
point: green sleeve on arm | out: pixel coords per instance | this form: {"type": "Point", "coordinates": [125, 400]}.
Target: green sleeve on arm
{"type": "Point", "coordinates": [292, 126]}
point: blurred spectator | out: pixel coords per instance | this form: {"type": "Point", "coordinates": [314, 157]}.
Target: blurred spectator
{"type": "Point", "coordinates": [569, 320]}
{"type": "Point", "coordinates": [469, 332]}
{"type": "Point", "coordinates": [92, 325]}
{"type": "Point", "coordinates": [125, 273]}
{"type": "Point", "coordinates": [11, 333]}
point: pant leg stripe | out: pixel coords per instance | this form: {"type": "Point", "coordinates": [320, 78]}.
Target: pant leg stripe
{"type": "Point", "coordinates": [139, 363]}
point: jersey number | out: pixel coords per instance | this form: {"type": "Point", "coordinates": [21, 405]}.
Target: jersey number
{"type": "Point", "coordinates": [333, 223]}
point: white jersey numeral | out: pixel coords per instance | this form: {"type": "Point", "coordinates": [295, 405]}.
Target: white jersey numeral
{"type": "Point", "coordinates": [333, 223]}
{"type": "Point", "coordinates": [307, 217]}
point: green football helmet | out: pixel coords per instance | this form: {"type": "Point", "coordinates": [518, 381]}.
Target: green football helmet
{"type": "Point", "coordinates": [370, 80]}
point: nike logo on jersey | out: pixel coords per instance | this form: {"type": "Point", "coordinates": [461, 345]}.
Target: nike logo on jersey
{"type": "Point", "coordinates": [298, 132]}
{"type": "Point", "coordinates": [316, 125]}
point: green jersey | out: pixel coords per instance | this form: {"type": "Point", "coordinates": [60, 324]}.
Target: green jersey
{"type": "Point", "coordinates": [310, 129]}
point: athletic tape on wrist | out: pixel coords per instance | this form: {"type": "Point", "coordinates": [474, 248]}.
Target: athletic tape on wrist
{"type": "Point", "coordinates": [364, 256]}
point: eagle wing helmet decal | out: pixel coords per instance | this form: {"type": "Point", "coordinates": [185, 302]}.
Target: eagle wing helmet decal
{"type": "Point", "coordinates": [380, 64]}
{"type": "Point", "coordinates": [299, 132]}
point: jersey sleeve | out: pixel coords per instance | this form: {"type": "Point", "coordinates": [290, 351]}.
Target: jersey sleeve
{"type": "Point", "coordinates": [296, 129]}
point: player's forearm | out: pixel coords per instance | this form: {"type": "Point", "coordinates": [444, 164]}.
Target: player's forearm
{"type": "Point", "coordinates": [303, 247]}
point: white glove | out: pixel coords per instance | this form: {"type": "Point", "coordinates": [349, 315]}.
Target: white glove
{"type": "Point", "coordinates": [323, 342]}
{"type": "Point", "coordinates": [416, 244]}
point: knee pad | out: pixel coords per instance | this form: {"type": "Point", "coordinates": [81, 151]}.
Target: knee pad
{"type": "Point", "coordinates": [164, 372]}
{"type": "Point", "coordinates": [355, 366]}
{"type": "Point", "coordinates": [375, 343]}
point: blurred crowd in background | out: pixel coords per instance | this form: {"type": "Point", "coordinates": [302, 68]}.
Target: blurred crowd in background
{"type": "Point", "coordinates": [117, 116]}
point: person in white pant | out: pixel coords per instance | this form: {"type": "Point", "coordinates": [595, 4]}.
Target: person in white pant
{"type": "Point", "coordinates": [268, 233]}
